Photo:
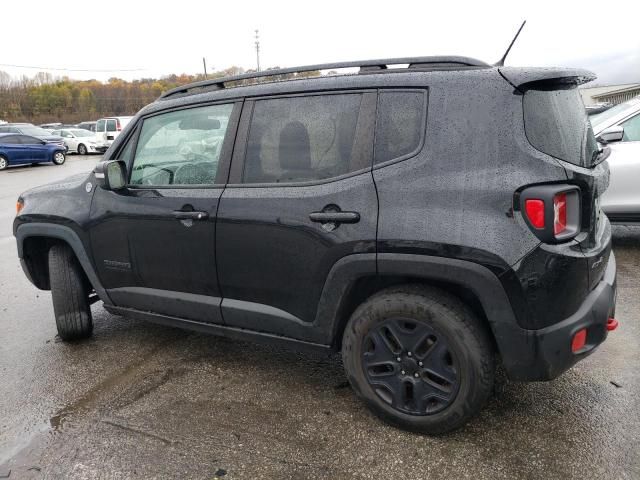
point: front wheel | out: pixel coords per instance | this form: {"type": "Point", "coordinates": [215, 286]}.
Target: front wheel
{"type": "Point", "coordinates": [70, 294]}
{"type": "Point", "coordinates": [419, 358]}
{"type": "Point", "coordinates": [59, 158]}
{"type": "Point", "coordinates": [82, 150]}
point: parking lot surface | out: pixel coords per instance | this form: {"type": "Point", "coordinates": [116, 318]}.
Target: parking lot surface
{"type": "Point", "coordinates": [144, 401]}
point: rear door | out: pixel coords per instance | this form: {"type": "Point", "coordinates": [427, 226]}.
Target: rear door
{"type": "Point", "coordinates": [300, 197]}
{"type": "Point", "coordinates": [154, 241]}
{"type": "Point", "coordinates": [112, 129]}
{"type": "Point", "coordinates": [101, 131]}
{"type": "Point", "coordinates": [12, 147]}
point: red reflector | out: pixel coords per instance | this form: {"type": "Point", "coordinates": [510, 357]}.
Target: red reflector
{"type": "Point", "coordinates": [559, 213]}
{"type": "Point", "coordinates": [579, 340]}
{"type": "Point", "coordinates": [612, 324]}
{"type": "Point", "coordinates": [535, 212]}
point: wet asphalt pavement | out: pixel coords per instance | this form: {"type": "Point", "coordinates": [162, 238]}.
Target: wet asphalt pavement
{"type": "Point", "coordinates": [143, 401]}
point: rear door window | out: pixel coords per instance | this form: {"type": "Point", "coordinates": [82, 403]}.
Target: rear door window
{"type": "Point", "coordinates": [111, 125]}
{"type": "Point", "coordinates": [556, 123]}
{"type": "Point", "coordinates": [401, 124]}
{"type": "Point", "coordinates": [305, 138]}
{"type": "Point", "coordinates": [10, 140]}
{"type": "Point", "coordinates": [100, 125]}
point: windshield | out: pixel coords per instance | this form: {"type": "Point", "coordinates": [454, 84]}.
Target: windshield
{"type": "Point", "coordinates": [82, 133]}
{"type": "Point", "coordinates": [556, 123]}
{"type": "Point", "coordinates": [600, 118]}
{"type": "Point", "coordinates": [34, 131]}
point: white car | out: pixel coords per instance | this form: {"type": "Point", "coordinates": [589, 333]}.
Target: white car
{"type": "Point", "coordinates": [619, 128]}
{"type": "Point", "coordinates": [108, 129]}
{"type": "Point", "coordinates": [78, 140]}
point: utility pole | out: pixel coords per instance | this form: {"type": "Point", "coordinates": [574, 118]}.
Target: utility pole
{"type": "Point", "coordinates": [258, 49]}
{"type": "Point", "coordinates": [204, 63]}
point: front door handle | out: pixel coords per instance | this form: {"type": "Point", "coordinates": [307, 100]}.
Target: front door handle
{"type": "Point", "coordinates": [182, 215]}
{"type": "Point", "coordinates": [335, 217]}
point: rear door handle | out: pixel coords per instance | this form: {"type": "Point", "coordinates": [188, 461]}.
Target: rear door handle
{"type": "Point", "coordinates": [182, 215]}
{"type": "Point", "coordinates": [335, 217]}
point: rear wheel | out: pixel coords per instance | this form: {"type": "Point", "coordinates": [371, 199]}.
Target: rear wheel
{"type": "Point", "coordinates": [4, 163]}
{"type": "Point", "coordinates": [82, 150]}
{"type": "Point", "coordinates": [419, 358]}
{"type": "Point", "coordinates": [59, 158]}
{"type": "Point", "coordinates": [70, 294]}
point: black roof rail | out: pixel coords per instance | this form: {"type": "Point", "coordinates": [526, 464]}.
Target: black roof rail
{"type": "Point", "coordinates": [365, 66]}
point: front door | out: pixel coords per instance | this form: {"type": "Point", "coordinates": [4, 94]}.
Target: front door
{"type": "Point", "coordinates": [300, 197]}
{"type": "Point", "coordinates": [154, 241]}
{"type": "Point", "coordinates": [34, 149]}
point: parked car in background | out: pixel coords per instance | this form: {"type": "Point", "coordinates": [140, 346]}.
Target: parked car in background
{"type": "Point", "coordinates": [78, 140]}
{"type": "Point", "coordinates": [18, 149]}
{"type": "Point", "coordinates": [597, 108]}
{"type": "Point", "coordinates": [91, 126]}
{"type": "Point", "coordinates": [51, 126]}
{"type": "Point", "coordinates": [108, 129]}
{"type": "Point", "coordinates": [32, 131]}
{"type": "Point", "coordinates": [619, 128]}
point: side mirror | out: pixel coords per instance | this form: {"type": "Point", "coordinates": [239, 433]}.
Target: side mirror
{"type": "Point", "coordinates": [611, 134]}
{"type": "Point", "coordinates": [111, 174]}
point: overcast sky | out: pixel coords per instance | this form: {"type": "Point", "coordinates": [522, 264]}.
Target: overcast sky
{"type": "Point", "coordinates": [160, 38]}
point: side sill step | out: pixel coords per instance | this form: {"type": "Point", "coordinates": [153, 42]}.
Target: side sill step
{"type": "Point", "coordinates": [218, 330]}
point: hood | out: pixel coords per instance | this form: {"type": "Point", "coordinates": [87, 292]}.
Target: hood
{"type": "Point", "coordinates": [73, 181]}
{"type": "Point", "coordinates": [51, 138]}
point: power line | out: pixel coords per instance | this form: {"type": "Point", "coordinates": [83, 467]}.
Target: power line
{"type": "Point", "coordinates": [74, 69]}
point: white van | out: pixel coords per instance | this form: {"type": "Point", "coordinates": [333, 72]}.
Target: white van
{"type": "Point", "coordinates": [107, 129]}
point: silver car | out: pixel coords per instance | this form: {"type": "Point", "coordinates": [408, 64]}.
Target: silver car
{"type": "Point", "coordinates": [619, 128]}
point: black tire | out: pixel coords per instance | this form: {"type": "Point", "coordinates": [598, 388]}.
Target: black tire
{"type": "Point", "coordinates": [70, 293]}
{"type": "Point", "coordinates": [408, 390]}
{"type": "Point", "coordinates": [4, 163]}
{"type": "Point", "coordinates": [82, 150]}
{"type": "Point", "coordinates": [59, 157]}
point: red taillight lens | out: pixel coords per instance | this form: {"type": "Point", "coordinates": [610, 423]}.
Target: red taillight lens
{"type": "Point", "coordinates": [579, 340]}
{"type": "Point", "coordinates": [118, 126]}
{"type": "Point", "coordinates": [535, 212]}
{"type": "Point", "coordinates": [559, 213]}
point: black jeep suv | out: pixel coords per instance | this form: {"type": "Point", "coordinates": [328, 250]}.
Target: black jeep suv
{"type": "Point", "coordinates": [428, 220]}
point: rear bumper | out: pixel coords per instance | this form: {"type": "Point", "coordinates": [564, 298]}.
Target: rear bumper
{"type": "Point", "coordinates": [546, 353]}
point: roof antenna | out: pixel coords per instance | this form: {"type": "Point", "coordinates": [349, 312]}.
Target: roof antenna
{"type": "Point", "coordinates": [500, 63]}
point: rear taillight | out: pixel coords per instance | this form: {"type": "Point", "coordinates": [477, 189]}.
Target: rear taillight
{"type": "Point", "coordinates": [534, 209]}
{"type": "Point", "coordinates": [118, 126]}
{"type": "Point", "coordinates": [552, 211]}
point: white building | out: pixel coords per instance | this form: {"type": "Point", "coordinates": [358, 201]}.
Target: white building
{"type": "Point", "coordinates": [613, 94]}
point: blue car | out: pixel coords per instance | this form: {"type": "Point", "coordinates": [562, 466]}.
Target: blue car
{"type": "Point", "coordinates": [17, 149]}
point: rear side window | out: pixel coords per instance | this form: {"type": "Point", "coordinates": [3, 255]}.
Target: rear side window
{"type": "Point", "coordinates": [556, 123]}
{"type": "Point", "coordinates": [400, 125]}
{"type": "Point", "coordinates": [298, 139]}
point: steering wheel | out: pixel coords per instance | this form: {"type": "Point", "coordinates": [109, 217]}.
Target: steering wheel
{"type": "Point", "coordinates": [194, 173]}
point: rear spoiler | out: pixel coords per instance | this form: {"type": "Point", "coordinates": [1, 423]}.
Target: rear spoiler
{"type": "Point", "coordinates": [541, 77]}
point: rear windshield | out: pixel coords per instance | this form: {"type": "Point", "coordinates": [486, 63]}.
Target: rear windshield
{"type": "Point", "coordinates": [556, 123]}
